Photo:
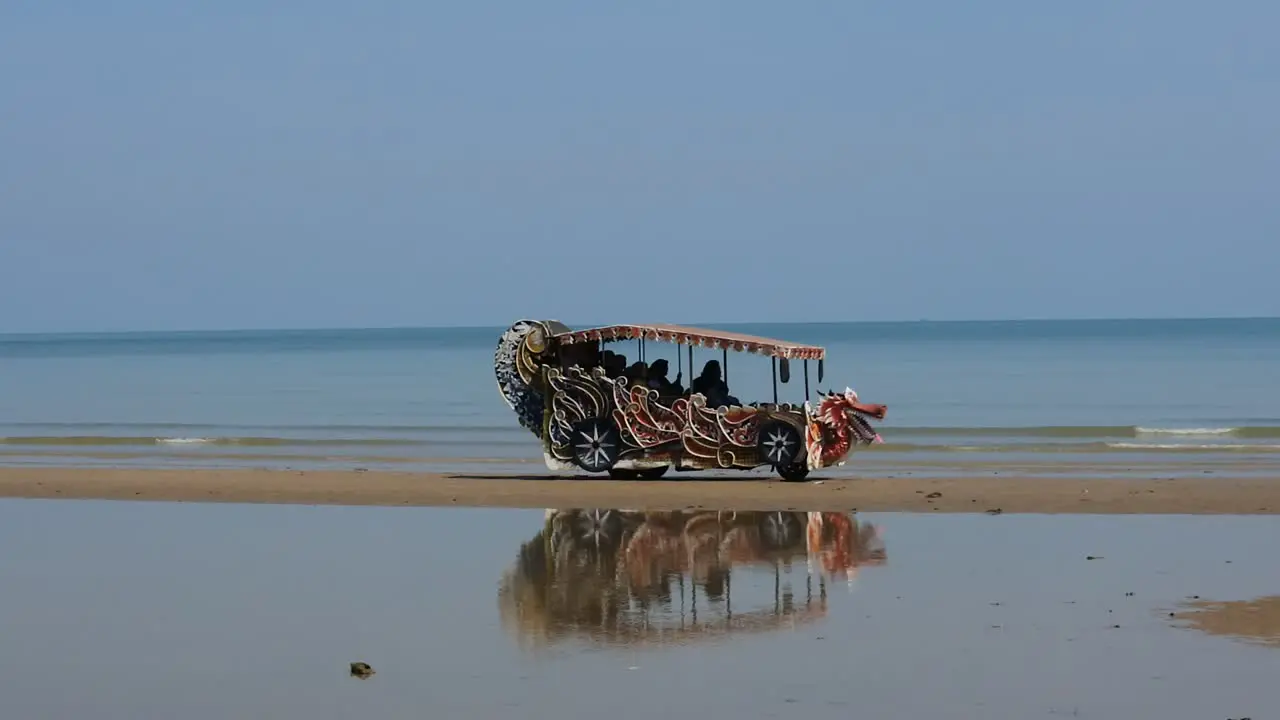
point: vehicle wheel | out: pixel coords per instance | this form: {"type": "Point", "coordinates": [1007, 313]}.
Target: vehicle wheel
{"type": "Point", "coordinates": [653, 473]}
{"type": "Point", "coordinates": [779, 444]}
{"type": "Point", "coordinates": [795, 472]}
{"type": "Point", "coordinates": [595, 444]}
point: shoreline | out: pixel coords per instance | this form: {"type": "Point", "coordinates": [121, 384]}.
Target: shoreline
{"type": "Point", "coordinates": [1008, 494]}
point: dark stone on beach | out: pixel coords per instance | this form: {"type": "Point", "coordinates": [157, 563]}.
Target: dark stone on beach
{"type": "Point", "coordinates": [934, 495]}
{"type": "Point", "coordinates": [994, 511]}
{"type": "Point", "coordinates": [361, 670]}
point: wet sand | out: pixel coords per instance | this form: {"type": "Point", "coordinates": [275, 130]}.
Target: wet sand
{"type": "Point", "coordinates": [1255, 621]}
{"type": "Point", "coordinates": [1197, 496]}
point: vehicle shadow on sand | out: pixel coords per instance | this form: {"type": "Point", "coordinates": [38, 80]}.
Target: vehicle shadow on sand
{"type": "Point", "coordinates": [683, 477]}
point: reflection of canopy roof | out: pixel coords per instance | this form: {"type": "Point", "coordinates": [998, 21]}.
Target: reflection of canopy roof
{"type": "Point", "coordinates": [645, 630]}
{"type": "Point", "coordinates": [682, 335]}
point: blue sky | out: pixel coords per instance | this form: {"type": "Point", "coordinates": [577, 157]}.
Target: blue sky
{"type": "Point", "coordinates": [321, 164]}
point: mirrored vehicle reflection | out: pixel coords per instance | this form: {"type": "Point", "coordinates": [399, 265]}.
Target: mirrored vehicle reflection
{"type": "Point", "coordinates": [627, 577]}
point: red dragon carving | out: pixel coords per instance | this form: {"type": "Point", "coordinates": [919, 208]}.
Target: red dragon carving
{"type": "Point", "coordinates": [837, 424]}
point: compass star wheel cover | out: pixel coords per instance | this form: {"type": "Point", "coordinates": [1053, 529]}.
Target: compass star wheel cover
{"type": "Point", "coordinates": [595, 444]}
{"type": "Point", "coordinates": [779, 444]}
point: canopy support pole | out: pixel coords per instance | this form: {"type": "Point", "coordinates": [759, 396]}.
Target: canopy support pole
{"type": "Point", "coordinates": [724, 360]}
{"type": "Point", "coordinates": [774, 361]}
{"type": "Point", "coordinates": [806, 381]}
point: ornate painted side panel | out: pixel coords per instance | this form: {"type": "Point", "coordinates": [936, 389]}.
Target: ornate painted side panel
{"type": "Point", "coordinates": [653, 430]}
{"type": "Point", "coordinates": [575, 396]}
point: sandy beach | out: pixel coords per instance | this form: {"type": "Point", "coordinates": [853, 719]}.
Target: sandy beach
{"type": "Point", "coordinates": [1198, 496]}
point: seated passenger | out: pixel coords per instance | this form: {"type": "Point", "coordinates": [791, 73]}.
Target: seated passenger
{"type": "Point", "coordinates": [583, 357]}
{"type": "Point", "coordinates": [657, 379]}
{"type": "Point", "coordinates": [615, 365]}
{"type": "Point", "coordinates": [712, 387]}
{"type": "Point", "coordinates": [636, 373]}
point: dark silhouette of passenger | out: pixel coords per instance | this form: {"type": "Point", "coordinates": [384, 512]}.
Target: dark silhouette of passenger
{"type": "Point", "coordinates": [658, 379]}
{"type": "Point", "coordinates": [637, 373]}
{"type": "Point", "coordinates": [615, 364]}
{"type": "Point", "coordinates": [710, 385]}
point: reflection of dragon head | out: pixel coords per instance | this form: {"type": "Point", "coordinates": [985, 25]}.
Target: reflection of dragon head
{"type": "Point", "coordinates": [841, 422]}
{"type": "Point", "coordinates": [841, 545]}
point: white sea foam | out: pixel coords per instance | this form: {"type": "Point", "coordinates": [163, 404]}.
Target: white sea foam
{"type": "Point", "coordinates": [183, 441]}
{"type": "Point", "coordinates": [1188, 432]}
{"type": "Point", "coordinates": [1193, 446]}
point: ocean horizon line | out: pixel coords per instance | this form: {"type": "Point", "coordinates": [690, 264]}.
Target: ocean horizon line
{"type": "Point", "coordinates": [87, 334]}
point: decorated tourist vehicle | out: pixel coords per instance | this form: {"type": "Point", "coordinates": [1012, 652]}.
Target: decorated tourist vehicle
{"type": "Point", "coordinates": [594, 412]}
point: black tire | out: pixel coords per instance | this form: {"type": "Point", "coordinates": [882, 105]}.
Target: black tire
{"type": "Point", "coordinates": [653, 473]}
{"type": "Point", "coordinates": [595, 444]}
{"type": "Point", "coordinates": [795, 472]}
{"type": "Point", "coordinates": [779, 444]}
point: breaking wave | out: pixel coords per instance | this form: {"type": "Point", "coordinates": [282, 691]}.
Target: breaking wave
{"type": "Point", "coordinates": [1089, 431]}
{"type": "Point", "coordinates": [1188, 432]}
{"type": "Point", "coordinates": [1198, 447]}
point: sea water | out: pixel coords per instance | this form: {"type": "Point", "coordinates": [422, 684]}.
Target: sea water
{"type": "Point", "coordinates": [149, 610]}
{"type": "Point", "coordinates": [1110, 397]}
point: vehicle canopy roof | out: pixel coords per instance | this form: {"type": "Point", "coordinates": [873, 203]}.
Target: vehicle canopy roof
{"type": "Point", "coordinates": [700, 337]}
